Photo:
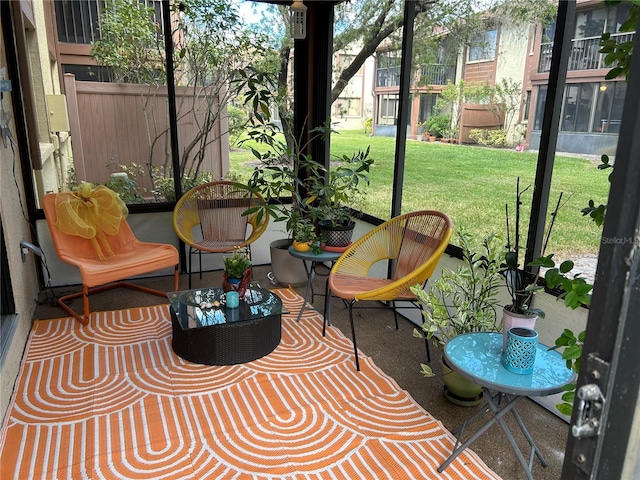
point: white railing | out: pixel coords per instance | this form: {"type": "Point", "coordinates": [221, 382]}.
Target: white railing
{"type": "Point", "coordinates": [585, 53]}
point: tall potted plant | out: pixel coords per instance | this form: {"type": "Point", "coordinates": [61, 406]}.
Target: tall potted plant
{"type": "Point", "coordinates": [334, 198]}
{"type": "Point", "coordinates": [293, 185]}
{"type": "Point", "coordinates": [519, 311]}
{"type": "Point", "coordinates": [462, 301]}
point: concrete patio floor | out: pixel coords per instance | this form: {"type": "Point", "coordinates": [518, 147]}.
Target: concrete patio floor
{"type": "Point", "coordinates": [397, 353]}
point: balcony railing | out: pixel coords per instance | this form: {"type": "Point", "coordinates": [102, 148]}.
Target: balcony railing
{"type": "Point", "coordinates": [432, 74]}
{"type": "Point", "coordinates": [438, 74]}
{"type": "Point", "coordinates": [77, 20]}
{"type": "Point", "coordinates": [388, 77]}
{"type": "Point", "coordinates": [584, 53]}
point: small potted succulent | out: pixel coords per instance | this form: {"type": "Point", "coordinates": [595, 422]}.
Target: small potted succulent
{"type": "Point", "coordinates": [237, 273]}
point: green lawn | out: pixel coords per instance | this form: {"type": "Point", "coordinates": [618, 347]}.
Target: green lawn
{"type": "Point", "coordinates": [472, 184]}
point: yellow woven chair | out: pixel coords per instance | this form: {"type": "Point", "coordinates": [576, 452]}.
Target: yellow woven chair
{"type": "Point", "coordinates": [209, 218]}
{"type": "Point", "coordinates": [414, 243]}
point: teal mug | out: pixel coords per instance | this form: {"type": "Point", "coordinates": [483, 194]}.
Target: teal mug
{"type": "Point", "coordinates": [233, 299]}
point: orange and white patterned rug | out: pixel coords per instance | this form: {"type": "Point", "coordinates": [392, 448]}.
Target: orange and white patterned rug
{"type": "Point", "coordinates": [112, 401]}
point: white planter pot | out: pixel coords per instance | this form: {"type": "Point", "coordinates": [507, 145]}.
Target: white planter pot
{"type": "Point", "coordinates": [511, 319]}
{"type": "Point", "coordinates": [286, 269]}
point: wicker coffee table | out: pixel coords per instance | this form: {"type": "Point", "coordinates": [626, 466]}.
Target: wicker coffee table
{"type": "Point", "coordinates": [206, 331]}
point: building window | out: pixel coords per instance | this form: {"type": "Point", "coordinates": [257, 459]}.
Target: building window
{"type": "Point", "coordinates": [77, 21]}
{"type": "Point", "coordinates": [587, 107]}
{"type": "Point", "coordinates": [484, 48]}
{"type": "Point", "coordinates": [526, 106]}
{"type": "Point", "coordinates": [576, 109]}
{"type": "Point", "coordinates": [608, 111]}
{"type": "Point", "coordinates": [387, 109]}
{"type": "Point", "coordinates": [541, 100]}
{"type": "Point", "coordinates": [427, 105]}
{"type": "Point", "coordinates": [388, 69]}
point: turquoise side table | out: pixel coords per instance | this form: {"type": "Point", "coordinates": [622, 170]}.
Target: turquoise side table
{"type": "Point", "coordinates": [478, 357]}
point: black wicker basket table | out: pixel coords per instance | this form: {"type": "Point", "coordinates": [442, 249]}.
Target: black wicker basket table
{"type": "Point", "coordinates": [206, 331]}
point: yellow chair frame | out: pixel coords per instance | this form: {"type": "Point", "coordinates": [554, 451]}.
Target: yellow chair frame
{"type": "Point", "coordinates": [413, 242]}
{"type": "Point", "coordinates": [215, 211]}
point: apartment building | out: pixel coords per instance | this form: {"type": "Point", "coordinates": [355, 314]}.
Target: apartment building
{"type": "Point", "coordinates": [592, 105]}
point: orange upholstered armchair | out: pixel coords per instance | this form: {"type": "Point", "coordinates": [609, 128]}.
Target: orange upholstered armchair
{"type": "Point", "coordinates": [101, 244]}
{"type": "Point", "coordinates": [211, 218]}
{"type": "Point", "coordinates": [414, 243]}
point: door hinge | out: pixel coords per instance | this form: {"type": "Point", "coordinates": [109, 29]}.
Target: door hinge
{"type": "Point", "coordinates": [588, 419]}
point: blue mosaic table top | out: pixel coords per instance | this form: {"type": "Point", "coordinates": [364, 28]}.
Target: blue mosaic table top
{"type": "Point", "coordinates": [478, 357]}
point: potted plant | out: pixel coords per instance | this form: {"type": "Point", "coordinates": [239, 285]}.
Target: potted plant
{"type": "Point", "coordinates": [294, 186]}
{"type": "Point", "coordinates": [305, 237]}
{"type": "Point", "coordinates": [334, 198]}
{"type": "Point", "coordinates": [522, 287]}
{"type": "Point", "coordinates": [426, 135]}
{"type": "Point", "coordinates": [462, 301]}
{"type": "Point", "coordinates": [438, 124]}
{"type": "Point", "coordinates": [237, 273]}
{"type": "Point", "coordinates": [279, 179]}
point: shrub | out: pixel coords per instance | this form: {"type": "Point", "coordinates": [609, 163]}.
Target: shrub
{"type": "Point", "coordinates": [490, 138]}
{"type": "Point", "coordinates": [368, 126]}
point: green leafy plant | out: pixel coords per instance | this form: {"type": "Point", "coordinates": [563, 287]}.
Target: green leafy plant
{"type": "Point", "coordinates": [334, 199]}
{"type": "Point", "coordinates": [164, 184]}
{"type": "Point", "coordinates": [236, 265]}
{"type": "Point", "coordinates": [438, 124]}
{"type": "Point", "coordinates": [464, 300]}
{"type": "Point", "coordinates": [305, 232]}
{"type": "Point", "coordinates": [571, 354]}
{"type": "Point", "coordinates": [619, 54]}
{"type": "Point", "coordinates": [597, 213]}
{"type": "Point", "coordinates": [286, 173]}
{"type": "Point", "coordinates": [490, 138]}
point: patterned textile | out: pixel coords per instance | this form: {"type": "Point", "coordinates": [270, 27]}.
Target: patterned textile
{"type": "Point", "coordinates": [111, 400]}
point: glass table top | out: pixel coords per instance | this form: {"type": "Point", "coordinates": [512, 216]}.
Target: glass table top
{"type": "Point", "coordinates": [478, 357]}
{"type": "Point", "coordinates": [203, 307]}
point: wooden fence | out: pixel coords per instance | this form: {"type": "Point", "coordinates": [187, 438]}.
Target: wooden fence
{"type": "Point", "coordinates": [114, 124]}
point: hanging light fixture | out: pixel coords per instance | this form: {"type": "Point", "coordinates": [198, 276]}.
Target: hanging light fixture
{"type": "Point", "coordinates": [298, 12]}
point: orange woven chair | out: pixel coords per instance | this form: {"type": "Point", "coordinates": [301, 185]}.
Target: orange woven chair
{"type": "Point", "coordinates": [414, 243]}
{"type": "Point", "coordinates": [120, 255]}
{"type": "Point", "coordinates": [210, 218]}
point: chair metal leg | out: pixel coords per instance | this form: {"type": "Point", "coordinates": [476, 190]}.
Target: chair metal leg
{"type": "Point", "coordinates": [86, 291]}
{"type": "Point", "coordinates": [353, 334]}
{"type": "Point", "coordinates": [426, 340]}
{"type": "Point", "coordinates": [176, 278]}
{"type": "Point", "coordinates": [395, 312]}
{"type": "Point", "coordinates": [326, 318]}
{"type": "Point", "coordinates": [190, 255]}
